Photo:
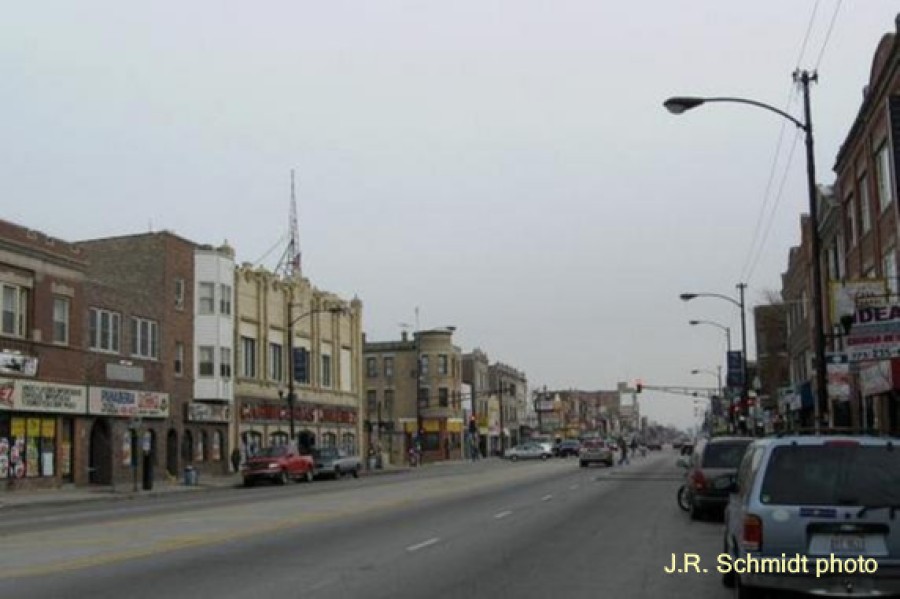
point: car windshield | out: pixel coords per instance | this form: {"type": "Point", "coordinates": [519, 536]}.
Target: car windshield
{"type": "Point", "coordinates": [724, 455]}
{"type": "Point", "coordinates": [832, 475]}
{"type": "Point", "coordinates": [327, 452]}
{"type": "Point", "coordinates": [272, 452]}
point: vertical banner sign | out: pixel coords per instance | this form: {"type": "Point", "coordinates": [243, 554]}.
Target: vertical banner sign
{"type": "Point", "coordinates": [838, 376]}
{"type": "Point", "coordinates": [735, 368]}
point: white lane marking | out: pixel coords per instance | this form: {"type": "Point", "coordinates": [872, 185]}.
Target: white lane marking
{"type": "Point", "coordinates": [423, 544]}
{"type": "Point", "coordinates": [502, 514]}
{"type": "Point", "coordinates": [546, 497]}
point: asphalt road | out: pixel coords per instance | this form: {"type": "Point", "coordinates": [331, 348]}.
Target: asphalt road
{"type": "Point", "coordinates": [489, 529]}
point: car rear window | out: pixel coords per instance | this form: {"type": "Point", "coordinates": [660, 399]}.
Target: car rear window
{"type": "Point", "coordinates": [832, 475]}
{"type": "Point", "coordinates": [724, 455]}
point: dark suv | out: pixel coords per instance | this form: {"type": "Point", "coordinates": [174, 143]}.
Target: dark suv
{"type": "Point", "coordinates": [566, 448]}
{"type": "Point", "coordinates": [711, 471]}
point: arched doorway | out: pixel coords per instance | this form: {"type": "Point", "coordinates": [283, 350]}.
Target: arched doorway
{"type": "Point", "coordinates": [306, 440]}
{"type": "Point", "coordinates": [187, 447]}
{"type": "Point", "coordinates": [172, 452]}
{"type": "Point", "coordinates": [100, 459]}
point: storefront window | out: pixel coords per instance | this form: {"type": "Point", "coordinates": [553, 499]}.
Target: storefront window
{"type": "Point", "coordinates": [348, 443]}
{"type": "Point", "coordinates": [329, 440]}
{"type": "Point", "coordinates": [217, 446]}
{"type": "Point", "coordinates": [27, 447]}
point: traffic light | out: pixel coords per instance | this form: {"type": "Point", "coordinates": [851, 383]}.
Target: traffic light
{"type": "Point", "coordinates": [638, 386]}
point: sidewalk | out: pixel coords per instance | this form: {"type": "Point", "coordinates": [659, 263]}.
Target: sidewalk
{"type": "Point", "coordinates": [69, 494]}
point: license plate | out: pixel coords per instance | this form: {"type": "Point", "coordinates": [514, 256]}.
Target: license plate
{"type": "Point", "coordinates": [848, 544]}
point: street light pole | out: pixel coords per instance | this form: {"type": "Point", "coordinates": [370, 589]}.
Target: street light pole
{"type": "Point", "coordinates": [745, 383]}
{"type": "Point", "coordinates": [678, 105]}
{"type": "Point", "coordinates": [716, 324]}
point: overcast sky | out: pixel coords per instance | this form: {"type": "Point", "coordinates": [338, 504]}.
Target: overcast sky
{"type": "Point", "coordinates": [505, 165]}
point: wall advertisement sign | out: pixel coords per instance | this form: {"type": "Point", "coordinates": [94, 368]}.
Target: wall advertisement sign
{"type": "Point", "coordinates": [128, 403]}
{"type": "Point", "coordinates": [874, 334]}
{"type": "Point", "coordinates": [34, 396]}
{"type": "Point", "coordinates": [838, 376]}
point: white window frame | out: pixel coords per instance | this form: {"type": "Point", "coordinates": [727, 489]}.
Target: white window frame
{"type": "Point", "coordinates": [179, 358]}
{"type": "Point", "coordinates": [889, 272]}
{"type": "Point", "coordinates": [225, 299]}
{"type": "Point", "coordinates": [206, 361]}
{"type": "Point", "coordinates": [864, 205]}
{"type": "Point", "coordinates": [206, 302]}
{"type": "Point", "coordinates": [110, 340]}
{"type": "Point", "coordinates": [371, 367]}
{"type": "Point", "coordinates": [443, 364]}
{"type": "Point", "coordinates": [179, 294]}
{"type": "Point", "coordinates": [248, 357]}
{"type": "Point", "coordinates": [388, 363]}
{"type": "Point", "coordinates": [225, 362]}
{"type": "Point", "coordinates": [883, 177]}
{"type": "Point", "coordinates": [13, 310]}
{"type": "Point", "coordinates": [61, 312]}
{"type": "Point", "coordinates": [144, 338]}
{"type": "Point", "coordinates": [276, 361]}
{"type": "Point", "coordinates": [327, 367]}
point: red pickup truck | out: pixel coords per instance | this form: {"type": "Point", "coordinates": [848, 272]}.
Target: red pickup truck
{"type": "Point", "coordinates": [278, 464]}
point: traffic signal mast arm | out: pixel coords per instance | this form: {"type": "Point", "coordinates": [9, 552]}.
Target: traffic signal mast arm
{"type": "Point", "coordinates": [689, 391]}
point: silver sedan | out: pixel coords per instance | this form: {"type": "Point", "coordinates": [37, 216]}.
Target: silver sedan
{"type": "Point", "coordinates": [528, 451]}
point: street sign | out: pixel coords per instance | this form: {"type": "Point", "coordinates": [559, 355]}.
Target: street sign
{"type": "Point", "coordinates": [735, 369]}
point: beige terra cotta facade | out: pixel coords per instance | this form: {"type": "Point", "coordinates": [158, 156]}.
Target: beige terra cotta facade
{"type": "Point", "coordinates": [327, 408]}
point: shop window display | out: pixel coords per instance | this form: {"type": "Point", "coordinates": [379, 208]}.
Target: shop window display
{"type": "Point", "coordinates": [27, 447]}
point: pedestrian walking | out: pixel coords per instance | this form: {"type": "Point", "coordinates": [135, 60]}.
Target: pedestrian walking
{"type": "Point", "coordinates": [623, 448]}
{"type": "Point", "coordinates": [236, 459]}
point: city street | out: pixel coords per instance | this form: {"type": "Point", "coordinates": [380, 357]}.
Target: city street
{"type": "Point", "coordinates": [486, 529]}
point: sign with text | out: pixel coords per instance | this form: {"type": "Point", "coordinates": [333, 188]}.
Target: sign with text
{"type": "Point", "coordinates": [16, 363]}
{"type": "Point", "coordinates": [128, 402]}
{"type": "Point", "coordinates": [849, 296]}
{"type": "Point", "coordinates": [875, 333]}
{"type": "Point", "coordinates": [876, 377]}
{"type": "Point", "coordinates": [735, 369]}
{"type": "Point", "coordinates": [35, 396]}
{"type": "Point", "coordinates": [838, 376]}
{"type": "Point", "coordinates": [208, 412]}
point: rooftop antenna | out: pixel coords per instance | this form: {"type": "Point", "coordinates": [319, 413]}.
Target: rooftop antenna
{"type": "Point", "coordinates": [289, 266]}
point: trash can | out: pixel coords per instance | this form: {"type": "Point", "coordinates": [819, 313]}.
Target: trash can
{"type": "Point", "coordinates": [190, 476]}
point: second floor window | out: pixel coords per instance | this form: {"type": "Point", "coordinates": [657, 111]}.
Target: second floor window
{"type": "Point", "coordinates": [206, 301]}
{"type": "Point", "coordinates": [179, 358]}
{"type": "Point", "coordinates": [883, 177]}
{"type": "Point", "coordinates": [225, 362]}
{"type": "Point", "coordinates": [388, 413]}
{"type": "Point", "coordinates": [179, 294]}
{"type": "Point", "coordinates": [61, 320]}
{"type": "Point", "coordinates": [206, 356]}
{"type": "Point", "coordinates": [865, 218]}
{"type": "Point", "coordinates": [275, 362]}
{"type": "Point", "coordinates": [248, 360]}
{"type": "Point", "coordinates": [371, 367]}
{"type": "Point", "coordinates": [225, 299]}
{"type": "Point", "coordinates": [388, 368]}
{"type": "Point", "coordinates": [423, 364]}
{"type": "Point", "coordinates": [326, 370]}
{"type": "Point", "coordinates": [371, 403]}
{"type": "Point", "coordinates": [104, 330]}
{"type": "Point", "coordinates": [443, 397]}
{"type": "Point", "coordinates": [14, 306]}
{"type": "Point", "coordinates": [144, 338]}
{"type": "Point", "coordinates": [442, 364]}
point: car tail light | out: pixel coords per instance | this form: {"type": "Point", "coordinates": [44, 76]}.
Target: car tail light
{"type": "Point", "coordinates": [752, 535]}
{"type": "Point", "coordinates": [698, 480]}
{"type": "Point", "coordinates": [842, 443]}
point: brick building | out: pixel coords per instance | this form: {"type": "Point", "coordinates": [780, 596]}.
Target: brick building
{"type": "Point", "coordinates": [43, 399]}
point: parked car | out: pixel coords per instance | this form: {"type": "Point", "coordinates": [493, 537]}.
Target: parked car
{"type": "Point", "coordinates": [335, 463]}
{"type": "Point", "coordinates": [654, 444]}
{"type": "Point", "coordinates": [528, 451]}
{"type": "Point", "coordinates": [711, 470]}
{"type": "Point", "coordinates": [595, 451]}
{"type": "Point", "coordinates": [277, 464]}
{"type": "Point", "coordinates": [566, 448]}
{"type": "Point", "coordinates": [818, 497]}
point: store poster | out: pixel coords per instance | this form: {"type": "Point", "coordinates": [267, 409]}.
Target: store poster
{"type": "Point", "coordinates": [4, 457]}
{"type": "Point", "coordinates": [126, 448]}
{"type": "Point", "coordinates": [32, 449]}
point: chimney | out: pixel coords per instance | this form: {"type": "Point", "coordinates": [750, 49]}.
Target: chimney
{"type": "Point", "coordinates": [404, 336]}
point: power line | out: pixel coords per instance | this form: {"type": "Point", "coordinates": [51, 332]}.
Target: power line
{"type": "Point", "coordinates": [837, 8]}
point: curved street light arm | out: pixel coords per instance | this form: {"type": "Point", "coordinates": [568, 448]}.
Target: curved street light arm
{"type": "Point", "coordinates": [680, 104]}
{"type": "Point", "coordinates": [718, 295]}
